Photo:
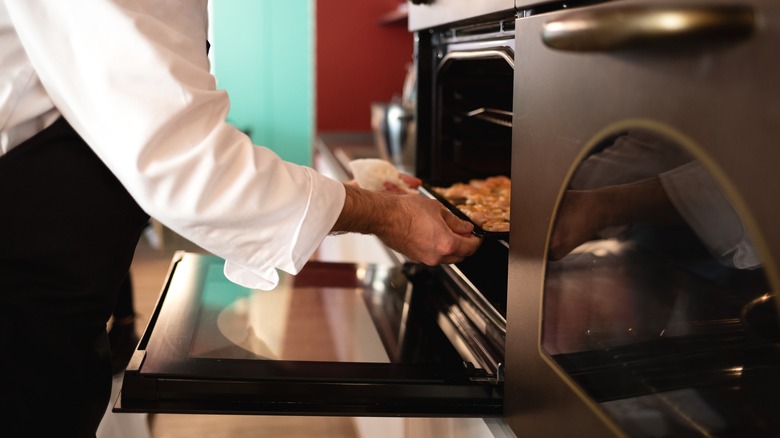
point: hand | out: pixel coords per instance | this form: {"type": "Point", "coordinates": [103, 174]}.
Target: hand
{"type": "Point", "coordinates": [409, 180]}
{"type": "Point", "coordinates": [417, 227]}
{"type": "Point", "coordinates": [424, 231]}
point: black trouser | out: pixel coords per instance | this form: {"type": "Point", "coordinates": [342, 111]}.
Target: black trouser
{"type": "Point", "coordinates": [68, 230]}
{"type": "Point", "coordinates": [124, 304]}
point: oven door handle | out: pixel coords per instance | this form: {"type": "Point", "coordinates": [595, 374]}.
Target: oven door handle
{"type": "Point", "coordinates": [630, 27]}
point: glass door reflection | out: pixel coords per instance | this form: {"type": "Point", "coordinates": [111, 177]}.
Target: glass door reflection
{"type": "Point", "coordinates": [652, 271]}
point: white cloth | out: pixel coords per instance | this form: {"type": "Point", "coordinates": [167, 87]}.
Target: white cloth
{"type": "Point", "coordinates": [132, 78]}
{"type": "Point", "coordinates": [374, 173]}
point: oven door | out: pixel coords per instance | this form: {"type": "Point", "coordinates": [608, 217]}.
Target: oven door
{"type": "Point", "coordinates": [337, 339]}
{"type": "Point", "coordinates": [646, 329]}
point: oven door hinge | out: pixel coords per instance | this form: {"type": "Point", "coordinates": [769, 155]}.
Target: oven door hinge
{"type": "Point", "coordinates": [479, 375]}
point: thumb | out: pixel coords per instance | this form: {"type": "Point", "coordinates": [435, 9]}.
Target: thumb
{"type": "Point", "coordinates": [457, 225]}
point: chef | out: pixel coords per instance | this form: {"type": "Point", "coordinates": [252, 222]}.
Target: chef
{"type": "Point", "coordinates": [108, 114]}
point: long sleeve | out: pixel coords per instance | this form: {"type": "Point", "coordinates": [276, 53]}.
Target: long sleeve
{"type": "Point", "coordinates": [702, 204]}
{"type": "Point", "coordinates": [132, 77]}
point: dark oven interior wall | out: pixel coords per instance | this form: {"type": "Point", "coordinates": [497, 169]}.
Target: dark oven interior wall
{"type": "Point", "coordinates": [471, 146]}
{"type": "Point", "coordinates": [454, 145]}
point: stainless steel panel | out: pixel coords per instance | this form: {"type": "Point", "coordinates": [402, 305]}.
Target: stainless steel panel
{"type": "Point", "coordinates": [436, 13]}
{"type": "Point", "coordinates": [720, 96]}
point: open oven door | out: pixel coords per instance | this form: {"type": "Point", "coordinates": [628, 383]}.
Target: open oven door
{"type": "Point", "coordinates": [337, 339]}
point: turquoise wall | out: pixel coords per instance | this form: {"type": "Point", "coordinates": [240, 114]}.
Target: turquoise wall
{"type": "Point", "coordinates": [263, 56]}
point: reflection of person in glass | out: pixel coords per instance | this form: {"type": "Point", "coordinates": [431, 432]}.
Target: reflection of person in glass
{"type": "Point", "coordinates": [643, 178]}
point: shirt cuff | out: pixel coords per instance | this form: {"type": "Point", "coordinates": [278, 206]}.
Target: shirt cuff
{"type": "Point", "coordinates": [254, 279]}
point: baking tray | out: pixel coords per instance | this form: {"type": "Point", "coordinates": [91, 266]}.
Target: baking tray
{"type": "Point", "coordinates": [427, 190]}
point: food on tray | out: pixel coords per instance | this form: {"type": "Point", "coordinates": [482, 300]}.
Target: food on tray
{"type": "Point", "coordinates": [484, 201]}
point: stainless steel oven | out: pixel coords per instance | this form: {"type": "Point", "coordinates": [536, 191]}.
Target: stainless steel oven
{"type": "Point", "coordinates": [641, 328]}
{"type": "Point", "coordinates": [651, 326]}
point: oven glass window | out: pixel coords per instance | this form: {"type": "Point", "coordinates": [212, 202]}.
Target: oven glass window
{"type": "Point", "coordinates": [286, 323]}
{"type": "Point", "coordinates": [655, 300]}
{"type": "Point", "coordinates": [335, 339]}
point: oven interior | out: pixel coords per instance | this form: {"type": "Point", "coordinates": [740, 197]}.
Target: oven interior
{"type": "Point", "coordinates": [475, 118]}
{"type": "Point", "coordinates": [472, 113]}
{"type": "Point", "coordinates": [464, 111]}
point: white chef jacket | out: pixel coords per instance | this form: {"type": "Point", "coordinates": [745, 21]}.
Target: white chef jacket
{"type": "Point", "coordinates": [132, 78]}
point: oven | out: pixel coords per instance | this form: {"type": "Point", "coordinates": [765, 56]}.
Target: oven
{"type": "Point", "coordinates": [660, 320]}
{"type": "Point", "coordinates": [646, 326]}
{"type": "Point", "coordinates": [660, 323]}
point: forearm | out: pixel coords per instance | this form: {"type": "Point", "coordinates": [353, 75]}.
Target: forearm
{"type": "Point", "coordinates": [365, 212]}
{"type": "Point", "coordinates": [644, 201]}
{"type": "Point", "coordinates": [415, 226]}
{"type": "Point", "coordinates": [584, 213]}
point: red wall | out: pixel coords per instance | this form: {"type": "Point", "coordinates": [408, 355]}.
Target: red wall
{"type": "Point", "coordinates": [358, 61]}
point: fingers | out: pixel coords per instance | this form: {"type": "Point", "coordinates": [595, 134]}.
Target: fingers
{"type": "Point", "coordinates": [453, 249]}
{"type": "Point", "coordinates": [457, 225]}
{"type": "Point", "coordinates": [424, 231]}
{"type": "Point", "coordinates": [460, 242]}
{"type": "Point", "coordinates": [464, 247]}
{"type": "Point", "coordinates": [392, 188]}
{"type": "Point", "coordinates": [411, 181]}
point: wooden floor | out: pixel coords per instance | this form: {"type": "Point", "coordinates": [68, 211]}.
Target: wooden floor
{"type": "Point", "coordinates": [149, 270]}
